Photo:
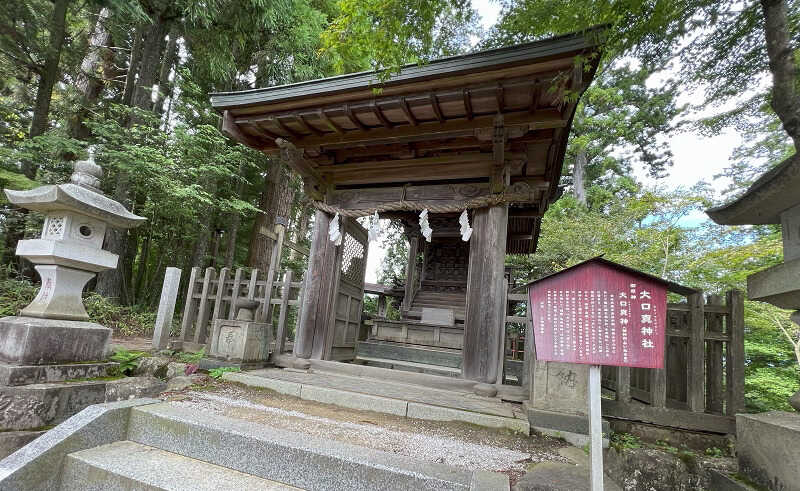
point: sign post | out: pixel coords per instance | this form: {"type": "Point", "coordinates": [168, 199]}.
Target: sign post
{"type": "Point", "coordinates": [595, 428]}
{"type": "Point", "coordinates": [599, 313]}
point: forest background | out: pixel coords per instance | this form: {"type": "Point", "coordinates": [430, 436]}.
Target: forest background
{"type": "Point", "coordinates": [132, 78]}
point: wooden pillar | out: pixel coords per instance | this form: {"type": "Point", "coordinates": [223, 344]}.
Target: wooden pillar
{"type": "Point", "coordinates": [697, 375]}
{"type": "Point", "coordinates": [315, 309]}
{"type": "Point", "coordinates": [484, 324]}
{"type": "Point", "coordinates": [411, 271]}
{"type": "Point", "coordinates": [734, 363]}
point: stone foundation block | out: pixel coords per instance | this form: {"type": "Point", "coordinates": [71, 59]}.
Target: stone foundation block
{"type": "Point", "coordinates": [34, 341]}
{"type": "Point", "coordinates": [13, 375]}
{"type": "Point", "coordinates": [39, 405]}
{"type": "Point", "coordinates": [767, 449]}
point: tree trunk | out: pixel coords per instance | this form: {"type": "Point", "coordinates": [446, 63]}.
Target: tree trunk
{"type": "Point", "coordinates": [48, 78]}
{"type": "Point", "coordinates": [133, 66]}
{"type": "Point", "coordinates": [112, 283]}
{"type": "Point", "coordinates": [150, 64]}
{"type": "Point", "coordinates": [785, 97]}
{"type": "Point", "coordinates": [170, 56]}
{"type": "Point", "coordinates": [89, 83]}
{"type": "Point", "coordinates": [579, 177]}
{"type": "Point", "coordinates": [275, 201]}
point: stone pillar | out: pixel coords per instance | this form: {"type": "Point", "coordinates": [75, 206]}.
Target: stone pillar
{"type": "Point", "coordinates": [166, 308]}
{"type": "Point", "coordinates": [315, 310]}
{"type": "Point", "coordinates": [484, 324]}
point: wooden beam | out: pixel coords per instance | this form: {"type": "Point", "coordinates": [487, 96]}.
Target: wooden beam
{"type": "Point", "coordinates": [499, 95]}
{"type": "Point", "coordinates": [348, 111]}
{"type": "Point", "coordinates": [468, 105]}
{"type": "Point", "coordinates": [407, 111]}
{"type": "Point", "coordinates": [436, 109]}
{"type": "Point", "coordinates": [500, 172]}
{"type": "Point", "coordinates": [304, 124]}
{"type": "Point", "coordinates": [232, 130]}
{"type": "Point", "coordinates": [261, 125]}
{"type": "Point", "coordinates": [381, 117]}
{"type": "Point", "coordinates": [324, 117]}
{"type": "Point", "coordinates": [292, 134]}
{"type": "Point", "coordinates": [293, 157]}
{"type": "Point", "coordinates": [536, 96]}
{"type": "Point", "coordinates": [434, 129]}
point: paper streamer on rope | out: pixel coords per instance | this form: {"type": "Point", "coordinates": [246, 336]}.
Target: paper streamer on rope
{"type": "Point", "coordinates": [466, 230]}
{"type": "Point", "coordinates": [334, 234]}
{"type": "Point", "coordinates": [424, 227]}
{"type": "Point", "coordinates": [374, 228]}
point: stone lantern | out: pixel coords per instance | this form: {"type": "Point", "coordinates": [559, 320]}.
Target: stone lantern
{"type": "Point", "coordinates": [766, 443]}
{"type": "Point", "coordinates": [67, 255]}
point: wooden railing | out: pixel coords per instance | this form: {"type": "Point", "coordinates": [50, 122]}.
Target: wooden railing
{"type": "Point", "coordinates": [702, 384]}
{"type": "Point", "coordinates": [212, 296]}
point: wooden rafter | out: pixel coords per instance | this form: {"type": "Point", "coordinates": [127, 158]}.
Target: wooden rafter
{"type": "Point", "coordinates": [468, 105]}
{"type": "Point", "coordinates": [261, 127]}
{"type": "Point", "coordinates": [283, 127]}
{"type": "Point", "coordinates": [434, 129]}
{"type": "Point", "coordinates": [437, 110]}
{"type": "Point", "coordinates": [348, 111]}
{"type": "Point", "coordinates": [232, 130]}
{"type": "Point", "coordinates": [304, 124]}
{"type": "Point", "coordinates": [381, 117]}
{"type": "Point", "coordinates": [536, 96]}
{"type": "Point", "coordinates": [333, 126]}
{"type": "Point", "coordinates": [499, 95]}
{"type": "Point", "coordinates": [407, 111]}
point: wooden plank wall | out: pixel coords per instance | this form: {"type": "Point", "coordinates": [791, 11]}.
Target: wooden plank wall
{"type": "Point", "coordinates": [703, 374]}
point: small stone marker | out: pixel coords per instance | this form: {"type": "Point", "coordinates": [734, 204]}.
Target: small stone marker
{"type": "Point", "coordinates": [166, 308]}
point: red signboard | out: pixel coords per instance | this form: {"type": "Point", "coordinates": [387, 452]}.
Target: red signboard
{"type": "Point", "coordinates": [600, 313]}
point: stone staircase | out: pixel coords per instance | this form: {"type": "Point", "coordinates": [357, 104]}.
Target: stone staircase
{"type": "Point", "coordinates": [150, 445]}
{"type": "Point", "coordinates": [454, 301]}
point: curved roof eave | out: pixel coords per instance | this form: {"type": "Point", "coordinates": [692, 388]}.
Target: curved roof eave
{"type": "Point", "coordinates": [774, 192]}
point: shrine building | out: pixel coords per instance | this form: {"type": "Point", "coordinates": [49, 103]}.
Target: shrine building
{"type": "Point", "coordinates": [484, 132]}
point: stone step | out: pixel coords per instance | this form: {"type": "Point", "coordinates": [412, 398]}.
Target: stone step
{"type": "Point", "coordinates": [409, 366]}
{"type": "Point", "coordinates": [127, 465]}
{"type": "Point", "coordinates": [405, 353]}
{"type": "Point", "coordinates": [300, 460]}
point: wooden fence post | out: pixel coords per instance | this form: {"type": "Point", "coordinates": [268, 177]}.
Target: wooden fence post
{"type": "Point", "coordinates": [274, 265]}
{"type": "Point", "coordinates": [221, 290]}
{"type": "Point", "coordinates": [623, 384]}
{"type": "Point", "coordinates": [237, 282]}
{"type": "Point", "coordinates": [734, 364]}
{"type": "Point", "coordinates": [715, 396]}
{"type": "Point", "coordinates": [280, 335]}
{"type": "Point", "coordinates": [695, 395]}
{"type": "Point", "coordinates": [189, 309]}
{"type": "Point", "coordinates": [251, 285]}
{"type": "Point", "coordinates": [202, 316]}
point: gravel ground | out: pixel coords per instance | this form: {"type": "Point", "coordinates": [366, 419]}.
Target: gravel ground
{"type": "Point", "coordinates": [453, 443]}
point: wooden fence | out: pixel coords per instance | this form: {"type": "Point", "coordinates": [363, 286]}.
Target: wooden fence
{"type": "Point", "coordinates": [702, 384]}
{"type": "Point", "coordinates": [211, 295]}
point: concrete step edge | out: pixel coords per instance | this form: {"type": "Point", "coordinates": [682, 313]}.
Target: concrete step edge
{"type": "Point", "coordinates": [130, 465]}
{"type": "Point", "coordinates": [301, 460]}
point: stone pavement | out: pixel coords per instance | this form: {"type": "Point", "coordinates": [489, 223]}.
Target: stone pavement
{"type": "Point", "coordinates": [392, 397]}
{"type": "Point", "coordinates": [560, 476]}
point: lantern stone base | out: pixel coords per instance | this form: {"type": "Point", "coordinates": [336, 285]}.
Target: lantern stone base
{"type": "Point", "coordinates": [34, 341]}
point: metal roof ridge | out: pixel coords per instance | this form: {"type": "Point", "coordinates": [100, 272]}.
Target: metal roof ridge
{"type": "Point", "coordinates": [576, 35]}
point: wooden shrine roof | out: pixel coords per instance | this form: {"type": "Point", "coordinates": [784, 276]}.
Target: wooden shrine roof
{"type": "Point", "coordinates": [450, 130]}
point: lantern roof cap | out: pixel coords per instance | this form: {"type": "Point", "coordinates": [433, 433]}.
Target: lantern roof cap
{"type": "Point", "coordinates": [77, 199]}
